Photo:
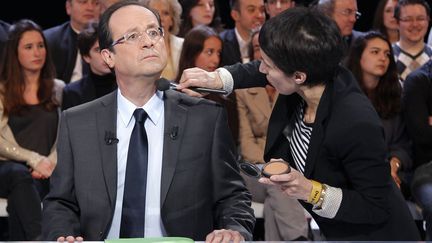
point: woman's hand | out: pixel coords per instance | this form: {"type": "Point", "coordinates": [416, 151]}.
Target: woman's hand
{"type": "Point", "coordinates": [197, 77]}
{"type": "Point", "coordinates": [293, 184]}
{"type": "Point", "coordinates": [43, 169]}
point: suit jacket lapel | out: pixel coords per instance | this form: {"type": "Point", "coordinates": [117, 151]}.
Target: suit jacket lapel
{"type": "Point", "coordinates": [106, 120]}
{"type": "Point", "coordinates": [280, 117]}
{"type": "Point", "coordinates": [175, 121]}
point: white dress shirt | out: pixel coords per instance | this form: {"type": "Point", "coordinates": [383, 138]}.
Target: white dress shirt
{"type": "Point", "coordinates": [154, 126]}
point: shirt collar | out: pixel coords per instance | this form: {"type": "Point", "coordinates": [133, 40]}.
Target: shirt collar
{"type": "Point", "coordinates": [153, 107]}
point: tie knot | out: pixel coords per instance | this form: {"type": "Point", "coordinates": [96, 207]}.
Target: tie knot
{"type": "Point", "coordinates": [140, 115]}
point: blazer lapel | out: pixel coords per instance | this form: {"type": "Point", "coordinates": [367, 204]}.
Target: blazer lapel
{"type": "Point", "coordinates": [106, 120]}
{"type": "Point", "coordinates": [280, 117]}
{"type": "Point", "coordinates": [175, 121]}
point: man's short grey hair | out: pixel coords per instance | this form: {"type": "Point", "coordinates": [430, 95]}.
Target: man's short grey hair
{"type": "Point", "coordinates": [326, 6]}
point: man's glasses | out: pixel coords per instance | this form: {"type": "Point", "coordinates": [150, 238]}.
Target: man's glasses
{"type": "Point", "coordinates": [154, 34]}
{"type": "Point", "coordinates": [350, 12]}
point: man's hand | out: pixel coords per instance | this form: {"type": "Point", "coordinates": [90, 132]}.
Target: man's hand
{"type": "Point", "coordinates": [197, 77]}
{"type": "Point", "coordinates": [70, 239]}
{"type": "Point", "coordinates": [225, 236]}
{"type": "Point", "coordinates": [44, 168]}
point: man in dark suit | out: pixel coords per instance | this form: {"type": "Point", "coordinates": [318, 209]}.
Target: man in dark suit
{"type": "Point", "coordinates": [99, 81]}
{"type": "Point", "coordinates": [247, 15]}
{"type": "Point", "coordinates": [194, 188]}
{"type": "Point", "coordinates": [62, 39]}
{"type": "Point", "coordinates": [342, 181]}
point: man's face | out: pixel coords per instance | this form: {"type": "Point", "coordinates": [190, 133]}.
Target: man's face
{"type": "Point", "coordinates": [250, 15]}
{"type": "Point", "coordinates": [140, 50]}
{"type": "Point", "coordinates": [82, 12]}
{"type": "Point", "coordinates": [275, 7]}
{"type": "Point", "coordinates": [94, 59]}
{"type": "Point", "coordinates": [413, 23]}
{"type": "Point", "coordinates": [344, 15]}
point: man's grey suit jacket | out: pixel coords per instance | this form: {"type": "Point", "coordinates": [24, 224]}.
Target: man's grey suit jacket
{"type": "Point", "coordinates": [201, 189]}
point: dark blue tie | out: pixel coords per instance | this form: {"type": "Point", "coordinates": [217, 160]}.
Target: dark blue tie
{"type": "Point", "coordinates": [133, 212]}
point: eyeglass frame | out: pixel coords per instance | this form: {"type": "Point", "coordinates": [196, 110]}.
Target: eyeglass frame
{"type": "Point", "coordinates": [349, 12]}
{"type": "Point", "coordinates": [125, 37]}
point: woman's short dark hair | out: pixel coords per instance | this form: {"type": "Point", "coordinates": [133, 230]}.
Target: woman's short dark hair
{"type": "Point", "coordinates": [193, 45]}
{"type": "Point", "coordinates": [305, 40]}
{"type": "Point", "coordinates": [105, 35]}
{"type": "Point", "coordinates": [386, 98]}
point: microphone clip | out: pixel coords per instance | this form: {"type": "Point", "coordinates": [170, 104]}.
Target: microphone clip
{"type": "Point", "coordinates": [110, 138]}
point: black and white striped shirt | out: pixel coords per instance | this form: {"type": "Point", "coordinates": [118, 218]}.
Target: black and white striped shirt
{"type": "Point", "coordinates": [300, 138]}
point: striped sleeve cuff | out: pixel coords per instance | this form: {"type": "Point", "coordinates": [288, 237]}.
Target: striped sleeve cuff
{"type": "Point", "coordinates": [227, 80]}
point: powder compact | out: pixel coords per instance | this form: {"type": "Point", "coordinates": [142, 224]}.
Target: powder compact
{"type": "Point", "coordinates": [266, 170]}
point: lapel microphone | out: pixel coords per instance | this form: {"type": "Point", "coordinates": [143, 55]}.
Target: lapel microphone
{"type": "Point", "coordinates": [110, 138]}
{"type": "Point", "coordinates": [174, 132]}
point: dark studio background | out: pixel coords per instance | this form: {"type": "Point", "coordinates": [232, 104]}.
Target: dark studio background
{"type": "Point", "coordinates": [51, 13]}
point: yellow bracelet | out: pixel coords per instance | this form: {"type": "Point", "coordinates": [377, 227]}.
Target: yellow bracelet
{"type": "Point", "coordinates": [315, 193]}
{"type": "Point", "coordinates": [321, 199]}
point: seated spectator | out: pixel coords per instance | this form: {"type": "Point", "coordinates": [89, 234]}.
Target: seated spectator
{"type": "Point", "coordinates": [411, 51]}
{"type": "Point", "coordinates": [29, 116]}
{"type": "Point", "coordinates": [199, 12]}
{"type": "Point", "coordinates": [284, 217]}
{"type": "Point", "coordinates": [371, 61]}
{"type": "Point", "coordinates": [202, 48]}
{"type": "Point", "coordinates": [99, 81]}
{"type": "Point", "coordinates": [384, 20]}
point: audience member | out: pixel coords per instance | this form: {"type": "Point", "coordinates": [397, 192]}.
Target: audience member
{"type": "Point", "coordinates": [411, 51]}
{"type": "Point", "coordinates": [199, 12]}
{"type": "Point", "coordinates": [384, 20]}
{"type": "Point", "coordinates": [284, 217]}
{"type": "Point", "coordinates": [248, 15]}
{"type": "Point", "coordinates": [191, 186]}
{"type": "Point", "coordinates": [345, 13]}
{"type": "Point", "coordinates": [29, 115]}
{"type": "Point", "coordinates": [275, 7]}
{"type": "Point", "coordinates": [202, 48]}
{"type": "Point", "coordinates": [62, 39]}
{"type": "Point", "coordinates": [99, 81]}
{"type": "Point", "coordinates": [169, 11]}
{"type": "Point", "coordinates": [342, 181]}
{"type": "Point", "coordinates": [371, 61]}
{"type": "Point", "coordinates": [417, 108]}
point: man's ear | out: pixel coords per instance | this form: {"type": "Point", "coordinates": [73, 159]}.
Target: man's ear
{"type": "Point", "coordinates": [299, 77]}
{"type": "Point", "coordinates": [235, 15]}
{"type": "Point", "coordinates": [108, 57]}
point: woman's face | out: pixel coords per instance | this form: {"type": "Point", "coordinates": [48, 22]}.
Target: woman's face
{"type": "Point", "coordinates": [202, 13]}
{"type": "Point", "coordinates": [164, 10]}
{"type": "Point", "coordinates": [209, 58]}
{"type": "Point", "coordinates": [31, 51]}
{"type": "Point", "coordinates": [284, 84]}
{"type": "Point", "coordinates": [388, 16]}
{"type": "Point", "coordinates": [374, 61]}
